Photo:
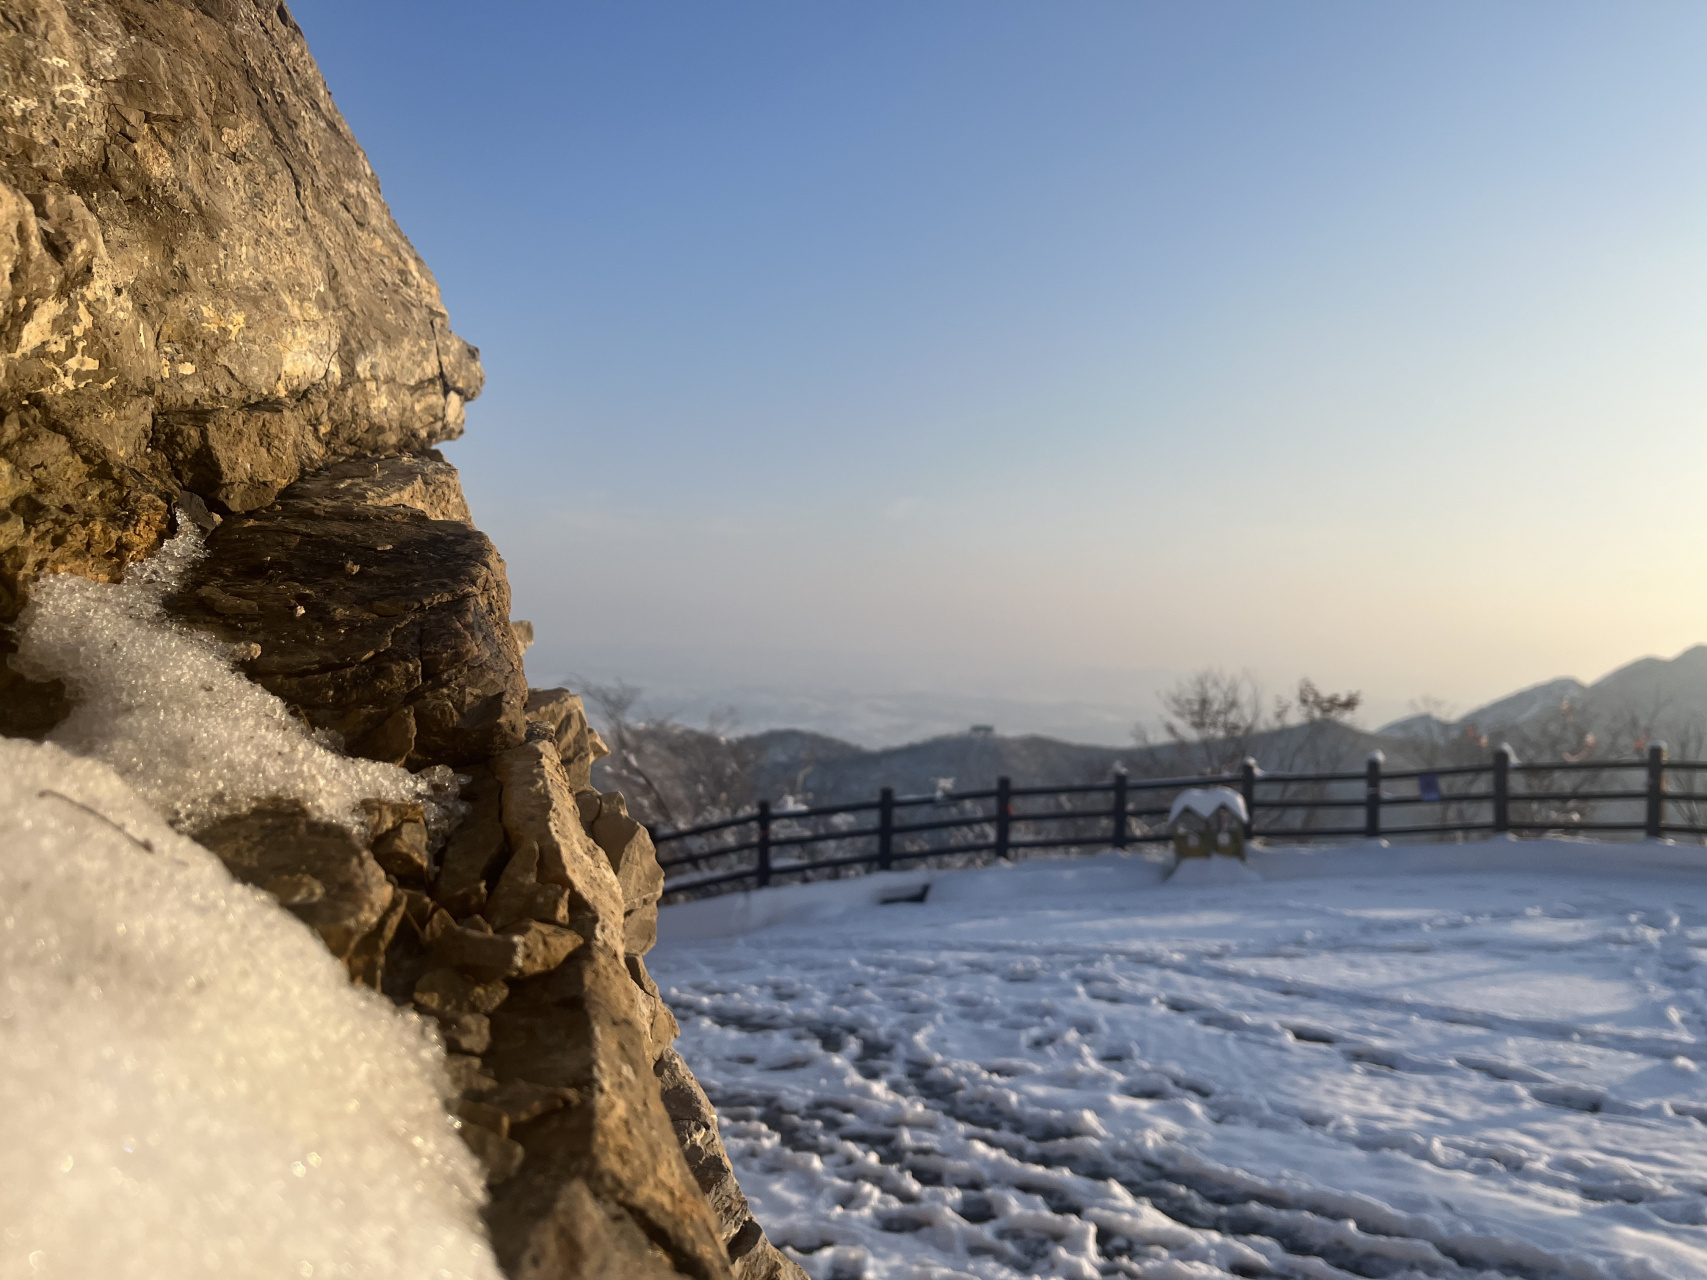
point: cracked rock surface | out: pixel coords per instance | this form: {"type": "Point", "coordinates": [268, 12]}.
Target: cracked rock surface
{"type": "Point", "coordinates": [201, 287]}
{"type": "Point", "coordinates": [370, 618]}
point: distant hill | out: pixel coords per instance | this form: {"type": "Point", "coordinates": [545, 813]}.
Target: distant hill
{"type": "Point", "coordinates": [826, 771]}
{"type": "Point", "coordinates": [800, 764]}
{"type": "Point", "coordinates": [1648, 699]}
{"type": "Point", "coordinates": [1513, 709]}
{"type": "Point", "coordinates": [1670, 694]}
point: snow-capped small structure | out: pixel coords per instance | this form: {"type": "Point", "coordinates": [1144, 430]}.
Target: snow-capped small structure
{"type": "Point", "coordinates": [1208, 820]}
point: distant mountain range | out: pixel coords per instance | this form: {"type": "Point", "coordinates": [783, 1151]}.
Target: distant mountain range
{"type": "Point", "coordinates": [1650, 696]}
{"type": "Point", "coordinates": [1647, 700]}
{"type": "Point", "coordinates": [1514, 708]}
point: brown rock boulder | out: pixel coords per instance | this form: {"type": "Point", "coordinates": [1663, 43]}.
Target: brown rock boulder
{"type": "Point", "coordinates": [543, 824]}
{"type": "Point", "coordinates": [628, 845]}
{"type": "Point", "coordinates": [445, 993]}
{"type": "Point", "coordinates": [317, 870]}
{"type": "Point", "coordinates": [519, 951]}
{"type": "Point", "coordinates": [656, 1020]}
{"type": "Point", "coordinates": [519, 895]}
{"type": "Point", "coordinates": [694, 1120]}
{"type": "Point", "coordinates": [422, 482]}
{"type": "Point", "coordinates": [564, 718]}
{"type": "Point", "coordinates": [605, 1189]}
{"type": "Point", "coordinates": [200, 285]}
{"type": "Point", "coordinates": [371, 620]}
{"type": "Point", "coordinates": [397, 834]}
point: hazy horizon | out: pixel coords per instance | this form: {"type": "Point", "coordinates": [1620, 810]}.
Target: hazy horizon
{"type": "Point", "coordinates": [1106, 716]}
{"type": "Point", "coordinates": [1030, 356]}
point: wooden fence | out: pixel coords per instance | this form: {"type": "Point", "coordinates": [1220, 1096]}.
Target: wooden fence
{"type": "Point", "coordinates": [772, 844]}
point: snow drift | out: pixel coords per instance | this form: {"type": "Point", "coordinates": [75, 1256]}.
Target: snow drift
{"type": "Point", "coordinates": [192, 1085]}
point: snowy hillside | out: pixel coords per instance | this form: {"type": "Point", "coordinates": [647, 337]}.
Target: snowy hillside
{"type": "Point", "coordinates": [1478, 1060]}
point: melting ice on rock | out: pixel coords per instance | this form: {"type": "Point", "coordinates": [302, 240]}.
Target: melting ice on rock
{"type": "Point", "coordinates": [191, 1086]}
{"type": "Point", "coordinates": [164, 706]}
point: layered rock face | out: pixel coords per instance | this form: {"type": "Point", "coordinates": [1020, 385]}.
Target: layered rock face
{"type": "Point", "coordinates": [206, 308]}
{"type": "Point", "coordinates": [200, 286]}
{"type": "Point", "coordinates": [523, 930]}
{"type": "Point", "coordinates": [374, 607]}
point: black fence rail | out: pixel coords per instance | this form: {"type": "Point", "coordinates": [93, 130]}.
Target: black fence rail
{"type": "Point", "coordinates": [795, 844]}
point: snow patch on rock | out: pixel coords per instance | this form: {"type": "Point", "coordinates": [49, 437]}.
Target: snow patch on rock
{"type": "Point", "coordinates": [192, 1085]}
{"type": "Point", "coordinates": [166, 709]}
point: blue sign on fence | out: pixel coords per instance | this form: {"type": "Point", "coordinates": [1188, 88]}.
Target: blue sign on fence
{"type": "Point", "coordinates": [1428, 788]}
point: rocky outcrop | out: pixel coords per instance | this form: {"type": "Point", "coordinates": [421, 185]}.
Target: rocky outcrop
{"type": "Point", "coordinates": [695, 1122]}
{"type": "Point", "coordinates": [206, 307]}
{"type": "Point", "coordinates": [201, 287]}
{"type": "Point", "coordinates": [366, 601]}
{"type": "Point", "coordinates": [372, 618]}
{"type": "Point", "coordinates": [545, 992]}
{"type": "Point", "coordinates": [522, 931]}
{"type": "Point", "coordinates": [576, 740]}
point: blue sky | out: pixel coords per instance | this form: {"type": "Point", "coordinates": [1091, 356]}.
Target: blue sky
{"type": "Point", "coordinates": [946, 358]}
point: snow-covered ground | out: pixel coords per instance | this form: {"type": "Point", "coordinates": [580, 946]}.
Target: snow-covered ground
{"type": "Point", "coordinates": [1477, 1060]}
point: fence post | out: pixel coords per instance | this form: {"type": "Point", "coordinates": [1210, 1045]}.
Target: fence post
{"type": "Point", "coordinates": [886, 828]}
{"type": "Point", "coordinates": [764, 844]}
{"type": "Point", "coordinates": [1372, 795]}
{"type": "Point", "coordinates": [1656, 789]}
{"type": "Point", "coordinates": [1248, 789]}
{"type": "Point", "coordinates": [1004, 815]}
{"type": "Point", "coordinates": [1502, 789]}
{"type": "Point", "coordinates": [1119, 841]}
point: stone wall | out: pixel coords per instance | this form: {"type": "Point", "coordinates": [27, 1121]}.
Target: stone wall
{"type": "Point", "coordinates": [206, 308]}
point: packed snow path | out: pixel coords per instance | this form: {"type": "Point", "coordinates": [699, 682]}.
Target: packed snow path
{"type": "Point", "coordinates": [1071, 1070]}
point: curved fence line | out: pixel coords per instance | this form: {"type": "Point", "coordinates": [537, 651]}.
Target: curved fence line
{"type": "Point", "coordinates": [772, 844]}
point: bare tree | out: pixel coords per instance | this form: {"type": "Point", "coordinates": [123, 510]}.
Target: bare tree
{"type": "Point", "coordinates": [1214, 718]}
{"type": "Point", "coordinates": [1318, 706]}
{"type": "Point", "coordinates": [1443, 713]}
{"type": "Point", "coordinates": [1447, 745]}
{"type": "Point", "coordinates": [1687, 741]}
{"type": "Point", "coordinates": [1211, 717]}
{"type": "Point", "coordinates": [672, 774]}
